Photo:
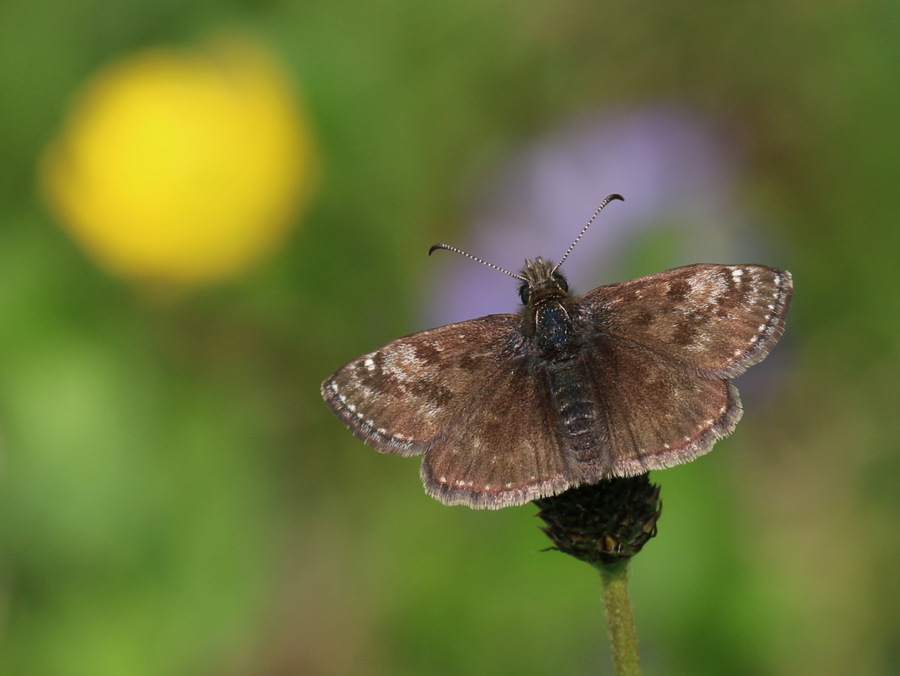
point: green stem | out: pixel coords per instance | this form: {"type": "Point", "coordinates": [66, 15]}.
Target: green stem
{"type": "Point", "coordinates": [620, 619]}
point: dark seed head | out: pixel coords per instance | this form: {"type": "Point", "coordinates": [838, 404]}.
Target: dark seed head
{"type": "Point", "coordinates": [603, 523]}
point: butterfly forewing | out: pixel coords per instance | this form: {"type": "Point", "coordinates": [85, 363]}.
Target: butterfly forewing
{"type": "Point", "coordinates": [400, 397]}
{"type": "Point", "coordinates": [719, 318]}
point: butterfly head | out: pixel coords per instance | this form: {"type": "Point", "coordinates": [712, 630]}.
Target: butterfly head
{"type": "Point", "coordinates": [540, 281]}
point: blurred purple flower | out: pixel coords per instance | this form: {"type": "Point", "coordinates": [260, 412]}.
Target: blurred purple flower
{"type": "Point", "coordinates": [677, 170]}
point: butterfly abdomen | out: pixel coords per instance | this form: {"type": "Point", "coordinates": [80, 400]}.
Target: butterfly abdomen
{"type": "Point", "coordinates": [582, 421]}
{"type": "Point", "coordinates": [559, 341]}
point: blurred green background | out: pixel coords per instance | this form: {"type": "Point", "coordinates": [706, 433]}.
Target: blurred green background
{"type": "Point", "coordinates": [175, 498]}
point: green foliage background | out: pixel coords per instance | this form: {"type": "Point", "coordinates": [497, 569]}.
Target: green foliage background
{"type": "Point", "coordinates": [176, 499]}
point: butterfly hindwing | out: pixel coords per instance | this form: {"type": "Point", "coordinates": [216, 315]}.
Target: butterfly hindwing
{"type": "Point", "coordinates": [505, 447]}
{"type": "Point", "coordinates": [676, 414]}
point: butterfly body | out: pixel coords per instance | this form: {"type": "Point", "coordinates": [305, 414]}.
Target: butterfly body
{"type": "Point", "coordinates": [630, 377]}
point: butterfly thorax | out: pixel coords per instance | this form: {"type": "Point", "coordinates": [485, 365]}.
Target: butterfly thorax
{"type": "Point", "coordinates": [549, 312]}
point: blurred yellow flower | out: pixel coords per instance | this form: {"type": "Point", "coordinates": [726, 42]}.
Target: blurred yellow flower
{"type": "Point", "coordinates": [182, 167]}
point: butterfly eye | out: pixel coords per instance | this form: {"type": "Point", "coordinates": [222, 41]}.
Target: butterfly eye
{"type": "Point", "coordinates": [559, 281]}
{"type": "Point", "coordinates": [524, 293]}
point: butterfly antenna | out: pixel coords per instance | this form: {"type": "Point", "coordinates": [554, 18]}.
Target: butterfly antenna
{"type": "Point", "coordinates": [474, 258]}
{"type": "Point", "coordinates": [607, 200]}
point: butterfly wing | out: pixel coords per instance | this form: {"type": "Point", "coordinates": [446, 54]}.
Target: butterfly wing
{"type": "Point", "coordinates": [400, 397]}
{"type": "Point", "coordinates": [718, 318]}
{"type": "Point", "coordinates": [663, 349]}
{"type": "Point", "coordinates": [505, 447]}
{"type": "Point", "coordinates": [469, 396]}
{"type": "Point", "coordinates": [657, 412]}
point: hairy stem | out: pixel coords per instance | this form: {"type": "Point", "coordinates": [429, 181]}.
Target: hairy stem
{"type": "Point", "coordinates": [620, 619]}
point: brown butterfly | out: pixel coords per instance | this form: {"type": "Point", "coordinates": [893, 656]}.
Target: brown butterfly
{"type": "Point", "coordinates": [630, 377]}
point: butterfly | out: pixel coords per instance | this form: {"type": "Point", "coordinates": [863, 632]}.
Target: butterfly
{"type": "Point", "coordinates": [629, 377]}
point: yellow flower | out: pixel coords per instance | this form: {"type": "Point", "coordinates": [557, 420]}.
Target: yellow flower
{"type": "Point", "coordinates": [182, 167]}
